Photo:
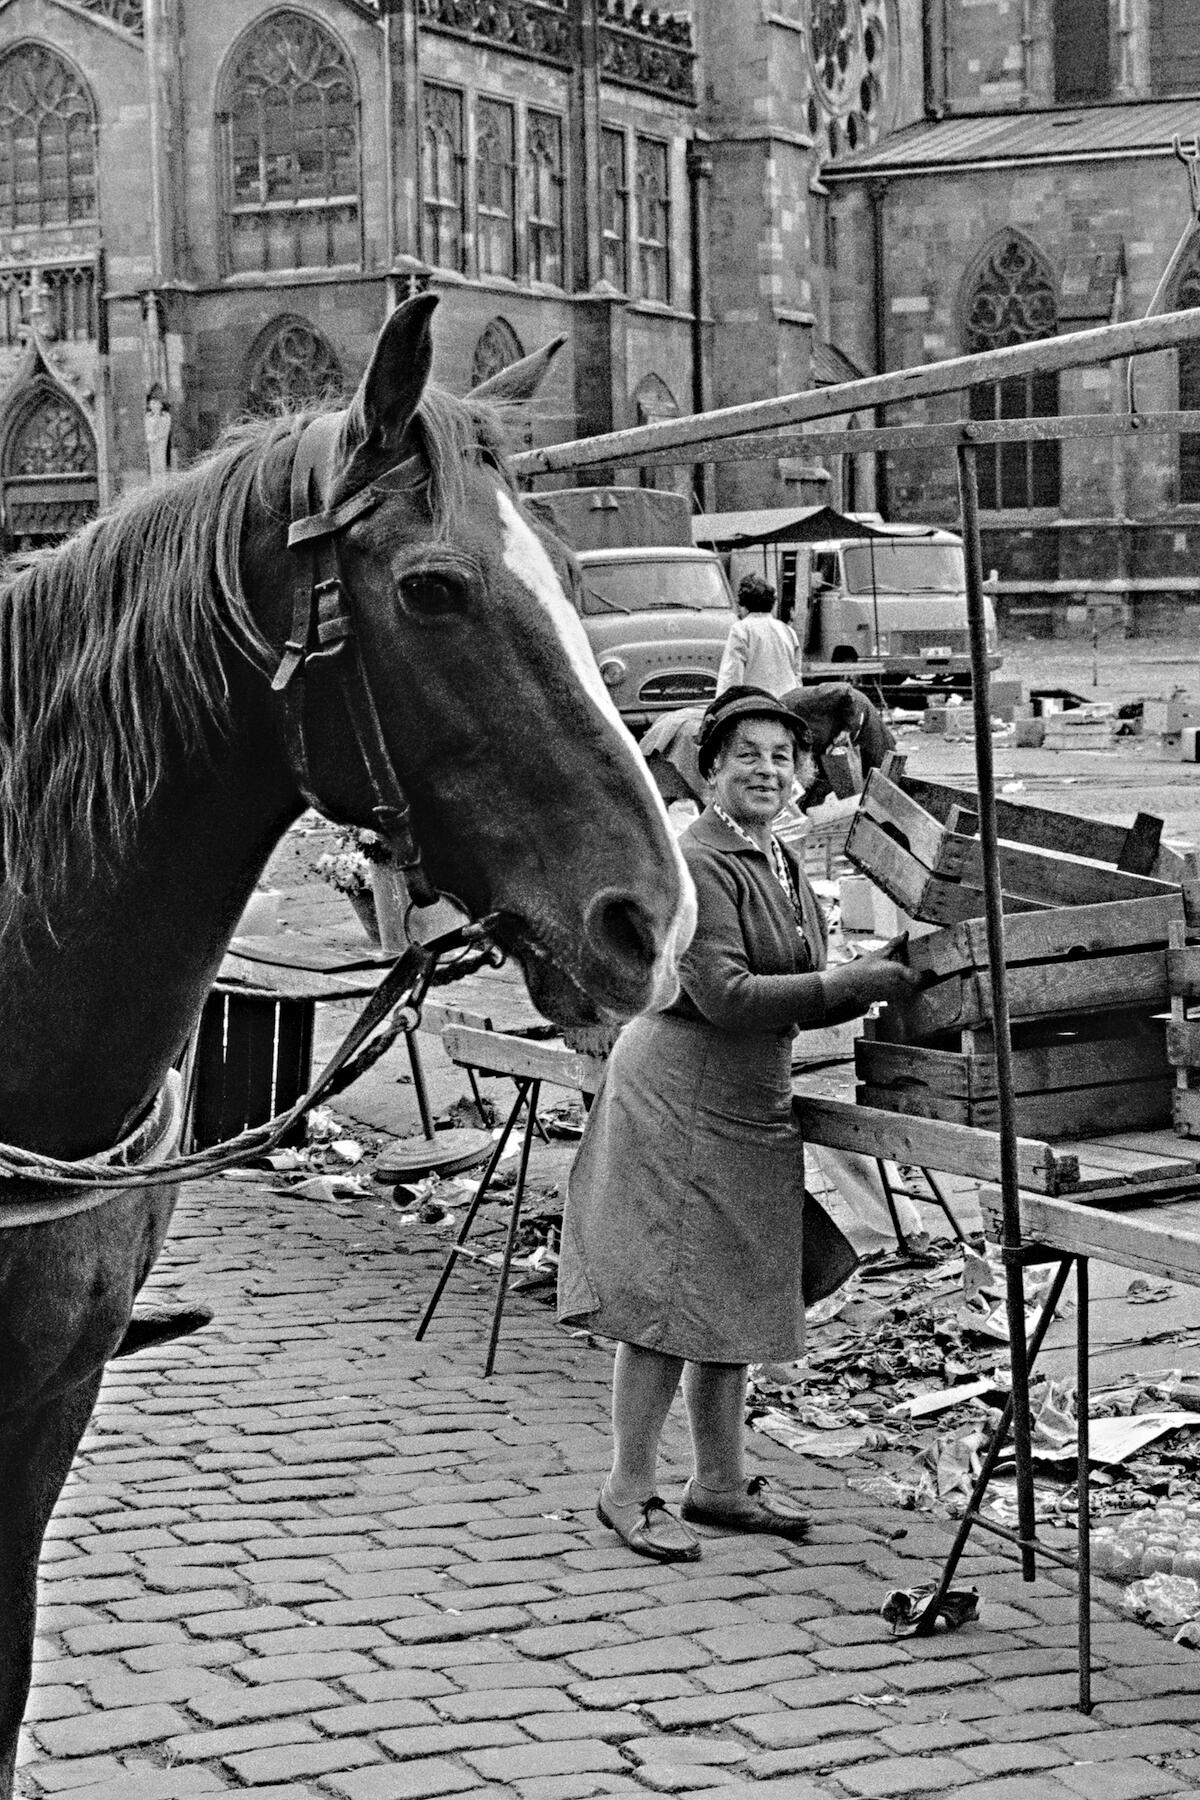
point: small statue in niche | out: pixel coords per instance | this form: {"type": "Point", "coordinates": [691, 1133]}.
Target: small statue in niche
{"type": "Point", "coordinates": [157, 425]}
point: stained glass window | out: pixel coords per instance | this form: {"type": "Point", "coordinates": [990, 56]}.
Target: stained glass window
{"type": "Point", "coordinates": [1012, 301]}
{"type": "Point", "coordinates": [653, 220]}
{"type": "Point", "coordinates": [291, 114]}
{"type": "Point", "coordinates": [495, 187]}
{"type": "Point", "coordinates": [47, 141]}
{"type": "Point", "coordinates": [614, 207]}
{"type": "Point", "coordinates": [291, 367]}
{"type": "Point", "coordinates": [544, 174]}
{"type": "Point", "coordinates": [442, 184]}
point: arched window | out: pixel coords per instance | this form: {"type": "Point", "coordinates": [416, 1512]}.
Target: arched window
{"type": "Point", "coordinates": [47, 141]}
{"type": "Point", "coordinates": [48, 468]}
{"type": "Point", "coordinates": [1187, 293]}
{"type": "Point", "coordinates": [1010, 299]}
{"type": "Point", "coordinates": [497, 348]}
{"type": "Point", "coordinates": [291, 367]}
{"type": "Point", "coordinates": [653, 400]}
{"type": "Point", "coordinates": [290, 115]}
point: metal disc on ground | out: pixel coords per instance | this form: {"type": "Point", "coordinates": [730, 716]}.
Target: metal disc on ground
{"type": "Point", "coordinates": [411, 1158]}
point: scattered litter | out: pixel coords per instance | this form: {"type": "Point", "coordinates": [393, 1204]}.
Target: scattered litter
{"type": "Point", "coordinates": [878, 1699]}
{"type": "Point", "coordinates": [1162, 1599]}
{"type": "Point", "coordinates": [819, 1442]}
{"type": "Point", "coordinates": [321, 1125]}
{"type": "Point", "coordinates": [348, 1150]}
{"type": "Point", "coordinates": [923, 1406]}
{"type": "Point", "coordinates": [1159, 1539]}
{"type": "Point", "coordinates": [329, 1187]}
{"type": "Point", "coordinates": [905, 1609]}
{"type": "Point", "coordinates": [1142, 1292]}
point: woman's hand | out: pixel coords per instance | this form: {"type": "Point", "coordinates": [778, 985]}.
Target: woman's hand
{"type": "Point", "coordinates": [852, 987]}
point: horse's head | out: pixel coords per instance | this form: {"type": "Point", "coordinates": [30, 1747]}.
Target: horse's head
{"type": "Point", "coordinates": [461, 671]}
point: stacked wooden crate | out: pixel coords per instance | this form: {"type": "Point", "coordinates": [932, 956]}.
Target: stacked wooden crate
{"type": "Point", "coordinates": [1092, 906]}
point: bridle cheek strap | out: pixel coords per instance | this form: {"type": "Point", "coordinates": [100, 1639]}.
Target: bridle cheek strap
{"type": "Point", "coordinates": [322, 634]}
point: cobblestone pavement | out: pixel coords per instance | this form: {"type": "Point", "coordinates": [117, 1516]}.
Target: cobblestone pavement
{"type": "Point", "coordinates": [303, 1556]}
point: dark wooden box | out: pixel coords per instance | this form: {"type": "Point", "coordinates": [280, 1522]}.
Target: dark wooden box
{"type": "Point", "coordinates": [253, 1060]}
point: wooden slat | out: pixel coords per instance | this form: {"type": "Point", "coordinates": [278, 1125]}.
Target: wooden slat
{"type": "Point", "coordinates": [1066, 1114]}
{"type": "Point", "coordinates": [1162, 1240]}
{"type": "Point", "coordinates": [492, 1053]}
{"type": "Point", "coordinates": [1038, 1069]}
{"type": "Point", "coordinates": [1041, 990]}
{"type": "Point", "coordinates": [1183, 1043]}
{"type": "Point", "coordinates": [905, 880]}
{"type": "Point", "coordinates": [1052, 932]}
{"type": "Point", "coordinates": [930, 1144]}
{"type": "Point", "coordinates": [1183, 972]}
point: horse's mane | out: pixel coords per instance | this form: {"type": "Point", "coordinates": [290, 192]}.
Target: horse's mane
{"type": "Point", "coordinates": [110, 644]}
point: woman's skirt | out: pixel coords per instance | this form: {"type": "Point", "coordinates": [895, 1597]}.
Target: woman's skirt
{"type": "Point", "coordinates": [684, 1210]}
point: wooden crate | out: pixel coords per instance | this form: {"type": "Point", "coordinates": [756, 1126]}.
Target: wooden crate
{"type": "Point", "coordinates": [1068, 1082]}
{"type": "Point", "coordinates": [253, 1060]}
{"type": "Point", "coordinates": [1061, 963]}
{"type": "Point", "coordinates": [930, 862]}
{"type": "Point", "coordinates": [1183, 1032]}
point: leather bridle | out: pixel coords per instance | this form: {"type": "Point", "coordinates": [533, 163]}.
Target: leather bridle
{"type": "Point", "coordinates": [323, 632]}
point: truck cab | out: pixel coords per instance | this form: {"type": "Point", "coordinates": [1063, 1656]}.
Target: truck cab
{"type": "Point", "coordinates": [862, 591]}
{"type": "Point", "coordinates": [656, 609]}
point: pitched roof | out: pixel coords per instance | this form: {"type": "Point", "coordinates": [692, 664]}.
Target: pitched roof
{"type": "Point", "coordinates": [1142, 128]}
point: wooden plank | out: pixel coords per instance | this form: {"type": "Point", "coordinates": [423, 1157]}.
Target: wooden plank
{"type": "Point", "coordinates": [1185, 1112]}
{"type": "Point", "coordinates": [1053, 932]}
{"type": "Point", "coordinates": [1040, 990]}
{"type": "Point", "coordinates": [932, 841]}
{"type": "Point", "coordinates": [1140, 851]}
{"type": "Point", "coordinates": [1161, 1240]}
{"type": "Point", "coordinates": [1042, 828]}
{"type": "Point", "coordinates": [1183, 971]}
{"type": "Point", "coordinates": [1183, 1043]}
{"type": "Point", "coordinates": [905, 880]}
{"type": "Point", "coordinates": [1066, 1114]}
{"type": "Point", "coordinates": [493, 1053]}
{"type": "Point", "coordinates": [1064, 1064]}
{"type": "Point", "coordinates": [930, 1143]}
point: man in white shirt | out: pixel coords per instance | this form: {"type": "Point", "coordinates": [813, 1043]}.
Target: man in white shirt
{"type": "Point", "coordinates": [762, 651]}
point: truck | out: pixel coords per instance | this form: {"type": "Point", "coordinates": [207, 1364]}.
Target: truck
{"type": "Point", "coordinates": [861, 591]}
{"type": "Point", "coordinates": [657, 609]}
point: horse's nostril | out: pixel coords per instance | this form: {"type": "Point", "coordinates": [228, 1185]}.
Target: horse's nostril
{"type": "Point", "coordinates": [620, 928]}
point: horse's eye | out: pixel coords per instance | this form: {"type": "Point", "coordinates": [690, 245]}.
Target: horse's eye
{"type": "Point", "coordinates": [433, 595]}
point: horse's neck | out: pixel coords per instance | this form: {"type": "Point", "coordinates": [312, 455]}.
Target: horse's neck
{"type": "Point", "coordinates": [98, 1000]}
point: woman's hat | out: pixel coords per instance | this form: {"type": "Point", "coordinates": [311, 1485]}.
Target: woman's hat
{"type": "Point", "coordinates": [737, 703]}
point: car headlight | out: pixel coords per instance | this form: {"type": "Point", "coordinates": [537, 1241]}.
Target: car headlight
{"type": "Point", "coordinates": [613, 671]}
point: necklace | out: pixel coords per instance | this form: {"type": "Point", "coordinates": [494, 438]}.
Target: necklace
{"type": "Point", "coordinates": [779, 862]}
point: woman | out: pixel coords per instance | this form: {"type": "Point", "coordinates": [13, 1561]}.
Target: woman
{"type": "Point", "coordinates": [683, 1220]}
{"type": "Point", "coordinates": [761, 651]}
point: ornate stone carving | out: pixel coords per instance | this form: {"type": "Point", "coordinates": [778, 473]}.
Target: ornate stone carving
{"type": "Point", "coordinates": [498, 348]}
{"type": "Point", "coordinates": [538, 28]}
{"type": "Point", "coordinates": [125, 13]}
{"type": "Point", "coordinates": [292, 366]}
{"type": "Point", "coordinates": [1011, 299]}
{"type": "Point", "coordinates": [639, 46]}
{"type": "Point", "coordinates": [52, 438]}
{"type": "Point", "coordinates": [648, 49]}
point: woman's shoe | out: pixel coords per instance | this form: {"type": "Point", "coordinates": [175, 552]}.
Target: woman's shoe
{"type": "Point", "coordinates": [764, 1509]}
{"type": "Point", "coordinates": [656, 1532]}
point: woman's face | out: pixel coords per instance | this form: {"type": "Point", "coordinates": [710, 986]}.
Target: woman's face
{"type": "Point", "coordinates": [752, 776]}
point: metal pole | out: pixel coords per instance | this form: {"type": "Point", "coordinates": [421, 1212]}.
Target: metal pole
{"type": "Point", "coordinates": [1083, 1486]}
{"type": "Point", "coordinates": [1014, 1278]}
{"type": "Point", "coordinates": [514, 1219]}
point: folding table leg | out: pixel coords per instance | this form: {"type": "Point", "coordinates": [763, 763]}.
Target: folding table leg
{"type": "Point", "coordinates": [514, 1221]}
{"type": "Point", "coordinates": [523, 1086]}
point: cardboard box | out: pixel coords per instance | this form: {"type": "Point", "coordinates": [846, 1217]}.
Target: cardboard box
{"type": "Point", "coordinates": [867, 908]}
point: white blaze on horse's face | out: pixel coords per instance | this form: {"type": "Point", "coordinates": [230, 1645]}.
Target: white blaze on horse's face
{"type": "Point", "coordinates": [525, 557]}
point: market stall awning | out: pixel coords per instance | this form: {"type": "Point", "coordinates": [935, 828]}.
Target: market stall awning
{"type": "Point", "coordinates": [779, 525]}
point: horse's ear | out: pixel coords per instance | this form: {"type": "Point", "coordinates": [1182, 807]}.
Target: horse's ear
{"type": "Point", "coordinates": [390, 392]}
{"type": "Point", "coordinates": [520, 380]}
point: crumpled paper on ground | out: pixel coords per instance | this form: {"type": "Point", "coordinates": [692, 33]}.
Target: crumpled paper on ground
{"type": "Point", "coordinates": [905, 1609]}
{"type": "Point", "coordinates": [1163, 1599]}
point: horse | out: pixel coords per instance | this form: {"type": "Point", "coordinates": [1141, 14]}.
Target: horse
{"type": "Point", "coordinates": [348, 610]}
{"type": "Point", "coordinates": [833, 711]}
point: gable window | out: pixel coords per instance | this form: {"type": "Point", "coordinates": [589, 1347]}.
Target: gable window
{"type": "Point", "coordinates": [544, 176]}
{"type": "Point", "coordinates": [495, 188]}
{"type": "Point", "coordinates": [614, 208]}
{"type": "Point", "coordinates": [443, 160]}
{"type": "Point", "coordinates": [47, 141]}
{"type": "Point", "coordinates": [1011, 300]}
{"type": "Point", "coordinates": [291, 122]}
{"type": "Point", "coordinates": [652, 216]}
